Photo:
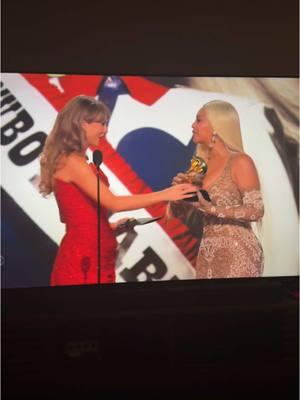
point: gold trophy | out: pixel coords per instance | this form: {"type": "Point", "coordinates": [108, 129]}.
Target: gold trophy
{"type": "Point", "coordinates": [195, 175]}
{"type": "Point", "coordinates": [197, 170]}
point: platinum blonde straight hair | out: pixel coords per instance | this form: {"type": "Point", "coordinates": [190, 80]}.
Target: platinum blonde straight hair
{"type": "Point", "coordinates": [225, 122]}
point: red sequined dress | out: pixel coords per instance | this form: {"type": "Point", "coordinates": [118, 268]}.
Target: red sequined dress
{"type": "Point", "coordinates": [76, 260]}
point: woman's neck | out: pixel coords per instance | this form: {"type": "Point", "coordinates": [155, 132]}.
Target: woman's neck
{"type": "Point", "coordinates": [218, 151]}
{"type": "Point", "coordinates": [82, 154]}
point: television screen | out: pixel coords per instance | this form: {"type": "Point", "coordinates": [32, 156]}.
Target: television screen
{"type": "Point", "coordinates": [149, 141]}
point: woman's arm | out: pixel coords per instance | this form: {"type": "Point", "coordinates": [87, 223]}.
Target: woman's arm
{"type": "Point", "coordinates": [245, 176]}
{"type": "Point", "coordinates": [81, 174]}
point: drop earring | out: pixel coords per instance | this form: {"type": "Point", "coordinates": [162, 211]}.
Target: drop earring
{"type": "Point", "coordinates": [213, 140]}
{"type": "Point", "coordinates": [211, 145]}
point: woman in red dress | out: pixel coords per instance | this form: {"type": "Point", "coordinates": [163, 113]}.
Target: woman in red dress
{"type": "Point", "coordinates": [64, 170]}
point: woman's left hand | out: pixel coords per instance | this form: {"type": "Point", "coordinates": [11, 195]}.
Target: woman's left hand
{"type": "Point", "coordinates": [203, 204]}
{"type": "Point", "coordinates": [121, 226]}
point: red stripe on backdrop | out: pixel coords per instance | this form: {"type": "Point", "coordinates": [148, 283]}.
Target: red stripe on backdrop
{"type": "Point", "coordinates": [72, 85]}
{"type": "Point", "coordinates": [143, 90]}
{"type": "Point", "coordinates": [140, 88]}
{"type": "Point", "coordinates": [173, 227]}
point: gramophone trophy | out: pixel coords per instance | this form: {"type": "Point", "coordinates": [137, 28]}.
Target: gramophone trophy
{"type": "Point", "coordinates": [195, 175]}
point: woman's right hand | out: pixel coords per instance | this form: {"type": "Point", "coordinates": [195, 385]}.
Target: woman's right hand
{"type": "Point", "coordinates": [179, 192]}
{"type": "Point", "coordinates": [179, 178]}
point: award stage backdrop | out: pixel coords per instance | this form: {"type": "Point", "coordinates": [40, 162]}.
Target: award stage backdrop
{"type": "Point", "coordinates": [148, 142]}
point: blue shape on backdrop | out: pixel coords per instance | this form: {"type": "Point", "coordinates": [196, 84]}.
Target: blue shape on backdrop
{"type": "Point", "coordinates": [155, 155]}
{"type": "Point", "coordinates": [109, 90]}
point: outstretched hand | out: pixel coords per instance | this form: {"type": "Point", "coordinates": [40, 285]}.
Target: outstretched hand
{"type": "Point", "coordinates": [203, 204]}
{"type": "Point", "coordinates": [180, 192]}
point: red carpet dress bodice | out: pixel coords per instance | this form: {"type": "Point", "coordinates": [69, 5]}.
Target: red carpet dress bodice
{"type": "Point", "coordinates": [76, 260]}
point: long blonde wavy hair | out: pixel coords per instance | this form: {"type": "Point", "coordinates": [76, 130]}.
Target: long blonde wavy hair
{"type": "Point", "coordinates": [68, 135]}
{"type": "Point", "coordinates": [225, 122]}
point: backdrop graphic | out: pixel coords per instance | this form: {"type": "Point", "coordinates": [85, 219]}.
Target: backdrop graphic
{"type": "Point", "coordinates": [149, 141]}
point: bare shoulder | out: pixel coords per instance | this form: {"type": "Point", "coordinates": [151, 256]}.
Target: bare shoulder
{"type": "Point", "coordinates": [75, 160]}
{"type": "Point", "coordinates": [243, 161]}
{"type": "Point", "coordinates": [70, 166]}
{"type": "Point", "coordinates": [244, 171]}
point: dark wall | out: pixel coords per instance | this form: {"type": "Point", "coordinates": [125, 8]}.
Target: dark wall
{"type": "Point", "coordinates": [236, 337]}
{"type": "Point", "coordinates": [231, 38]}
{"type": "Point", "coordinates": [232, 339]}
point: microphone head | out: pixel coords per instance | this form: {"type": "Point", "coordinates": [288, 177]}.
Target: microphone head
{"type": "Point", "coordinates": [97, 158]}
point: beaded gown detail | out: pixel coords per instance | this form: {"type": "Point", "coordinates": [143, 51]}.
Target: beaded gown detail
{"type": "Point", "coordinates": [76, 260]}
{"type": "Point", "coordinates": [229, 248]}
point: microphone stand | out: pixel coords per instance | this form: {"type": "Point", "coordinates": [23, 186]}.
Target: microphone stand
{"type": "Point", "coordinates": [98, 227]}
{"type": "Point", "coordinates": [97, 160]}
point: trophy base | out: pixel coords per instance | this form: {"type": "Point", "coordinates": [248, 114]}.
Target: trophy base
{"type": "Point", "coordinates": [192, 199]}
{"type": "Point", "coordinates": [195, 198]}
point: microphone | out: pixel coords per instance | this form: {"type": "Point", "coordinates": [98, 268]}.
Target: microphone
{"type": "Point", "coordinates": [97, 158]}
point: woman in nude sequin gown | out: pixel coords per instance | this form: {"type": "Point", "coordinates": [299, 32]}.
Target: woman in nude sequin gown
{"type": "Point", "coordinates": [229, 248]}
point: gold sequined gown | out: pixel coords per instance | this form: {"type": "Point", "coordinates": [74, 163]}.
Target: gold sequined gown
{"type": "Point", "coordinates": [229, 248]}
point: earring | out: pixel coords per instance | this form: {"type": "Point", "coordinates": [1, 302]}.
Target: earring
{"type": "Point", "coordinates": [213, 140]}
{"type": "Point", "coordinates": [211, 145]}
